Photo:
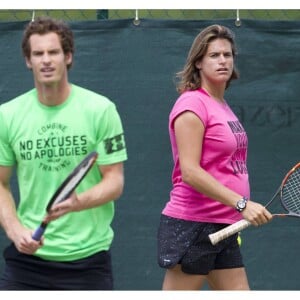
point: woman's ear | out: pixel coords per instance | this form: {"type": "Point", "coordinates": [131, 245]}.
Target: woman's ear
{"type": "Point", "coordinates": [198, 65]}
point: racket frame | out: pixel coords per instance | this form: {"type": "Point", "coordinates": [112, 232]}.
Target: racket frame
{"type": "Point", "coordinates": [60, 194]}
{"type": "Point", "coordinates": [242, 224]}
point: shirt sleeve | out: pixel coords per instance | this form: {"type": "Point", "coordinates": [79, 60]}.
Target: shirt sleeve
{"type": "Point", "coordinates": [190, 101]}
{"type": "Point", "coordinates": [111, 142]}
{"type": "Point", "coordinates": [7, 157]}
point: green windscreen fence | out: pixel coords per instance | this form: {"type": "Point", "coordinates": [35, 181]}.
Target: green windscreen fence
{"type": "Point", "coordinates": [134, 65]}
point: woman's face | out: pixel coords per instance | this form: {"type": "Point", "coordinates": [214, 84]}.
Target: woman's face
{"type": "Point", "coordinates": [216, 66]}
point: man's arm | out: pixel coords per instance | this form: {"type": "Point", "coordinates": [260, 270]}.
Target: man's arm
{"type": "Point", "coordinates": [9, 220]}
{"type": "Point", "coordinates": [108, 189]}
{"type": "Point", "coordinates": [8, 214]}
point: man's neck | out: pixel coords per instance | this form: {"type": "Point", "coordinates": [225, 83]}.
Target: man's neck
{"type": "Point", "coordinates": [54, 94]}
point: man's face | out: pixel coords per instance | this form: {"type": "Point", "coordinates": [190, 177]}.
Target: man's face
{"type": "Point", "coordinates": [47, 59]}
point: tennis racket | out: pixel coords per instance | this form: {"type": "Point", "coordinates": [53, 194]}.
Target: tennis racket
{"type": "Point", "coordinates": [289, 195]}
{"type": "Point", "coordinates": [66, 188]}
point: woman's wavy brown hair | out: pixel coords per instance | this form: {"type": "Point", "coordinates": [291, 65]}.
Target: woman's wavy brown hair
{"type": "Point", "coordinates": [189, 78]}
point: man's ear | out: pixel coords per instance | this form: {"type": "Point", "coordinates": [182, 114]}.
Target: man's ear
{"type": "Point", "coordinates": [28, 63]}
{"type": "Point", "coordinates": [69, 58]}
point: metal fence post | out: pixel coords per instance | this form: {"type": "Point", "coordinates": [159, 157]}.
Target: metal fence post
{"type": "Point", "coordinates": [102, 14]}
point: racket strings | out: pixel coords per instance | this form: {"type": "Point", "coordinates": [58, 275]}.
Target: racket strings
{"type": "Point", "coordinates": [290, 193]}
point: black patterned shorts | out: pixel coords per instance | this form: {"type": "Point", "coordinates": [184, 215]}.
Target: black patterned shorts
{"type": "Point", "coordinates": [187, 243]}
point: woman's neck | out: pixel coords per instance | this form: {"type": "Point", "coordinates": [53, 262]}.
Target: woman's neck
{"type": "Point", "coordinates": [216, 93]}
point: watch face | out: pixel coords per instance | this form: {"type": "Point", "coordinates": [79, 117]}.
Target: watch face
{"type": "Point", "coordinates": [241, 204]}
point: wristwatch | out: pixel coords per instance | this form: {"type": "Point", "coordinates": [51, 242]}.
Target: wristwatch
{"type": "Point", "coordinates": [241, 204]}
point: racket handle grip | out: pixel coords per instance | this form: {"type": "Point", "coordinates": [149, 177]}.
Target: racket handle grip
{"type": "Point", "coordinates": [39, 232]}
{"type": "Point", "coordinates": [228, 231]}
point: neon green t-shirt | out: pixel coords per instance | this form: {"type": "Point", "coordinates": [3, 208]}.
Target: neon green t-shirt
{"type": "Point", "coordinates": [45, 144]}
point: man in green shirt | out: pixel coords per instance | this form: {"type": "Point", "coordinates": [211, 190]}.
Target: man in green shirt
{"type": "Point", "coordinates": [44, 134]}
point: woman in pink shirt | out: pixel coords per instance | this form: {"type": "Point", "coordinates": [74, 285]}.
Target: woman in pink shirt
{"type": "Point", "coordinates": [210, 178]}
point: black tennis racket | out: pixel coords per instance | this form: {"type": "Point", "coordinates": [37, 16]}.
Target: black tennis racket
{"type": "Point", "coordinates": [66, 188]}
{"type": "Point", "coordinates": [289, 195]}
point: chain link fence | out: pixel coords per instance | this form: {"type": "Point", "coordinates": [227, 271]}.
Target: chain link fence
{"type": "Point", "coordinates": [191, 14]}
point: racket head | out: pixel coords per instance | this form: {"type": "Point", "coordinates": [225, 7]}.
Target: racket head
{"type": "Point", "coordinates": [290, 191]}
{"type": "Point", "coordinates": [73, 180]}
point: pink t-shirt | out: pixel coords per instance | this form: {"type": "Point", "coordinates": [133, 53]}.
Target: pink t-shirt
{"type": "Point", "coordinates": [224, 156]}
